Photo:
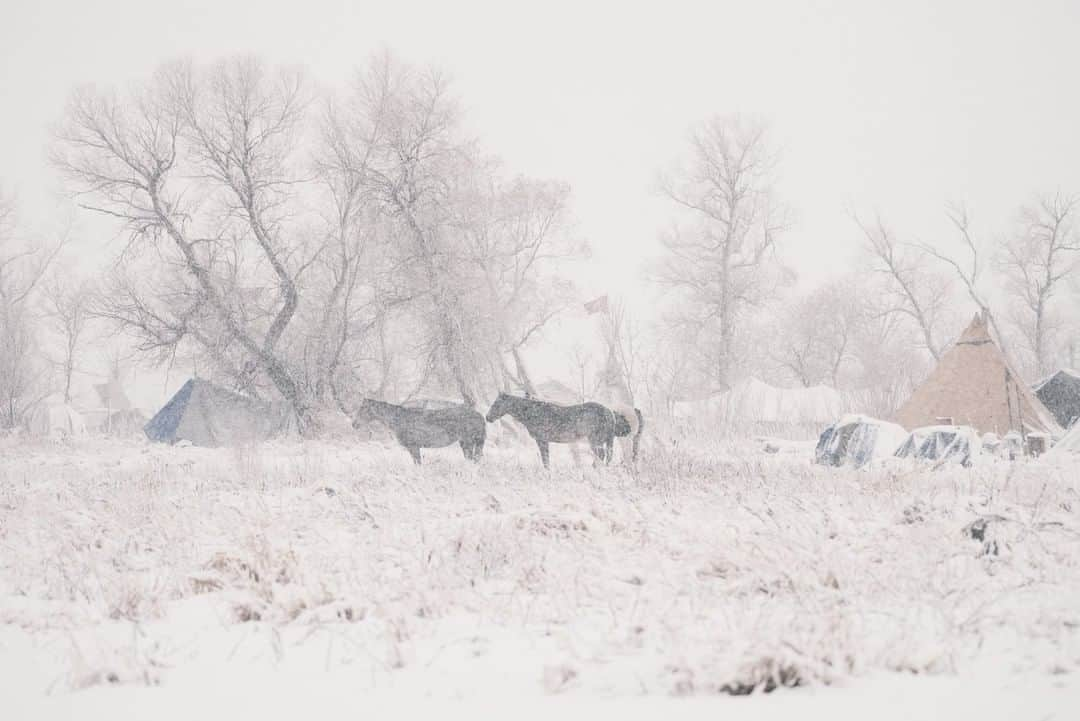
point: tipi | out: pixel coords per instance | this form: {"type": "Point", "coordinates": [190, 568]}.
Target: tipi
{"type": "Point", "coordinates": [973, 385]}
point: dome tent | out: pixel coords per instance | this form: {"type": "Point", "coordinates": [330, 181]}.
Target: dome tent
{"type": "Point", "coordinates": [857, 440]}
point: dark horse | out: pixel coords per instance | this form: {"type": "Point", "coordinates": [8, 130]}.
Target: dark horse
{"type": "Point", "coordinates": [417, 428]}
{"type": "Point", "coordinates": [552, 423]}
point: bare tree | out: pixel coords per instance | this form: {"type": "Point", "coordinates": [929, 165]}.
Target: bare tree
{"type": "Point", "coordinates": [513, 233]}
{"type": "Point", "coordinates": [196, 164]}
{"type": "Point", "coordinates": [24, 261]}
{"type": "Point", "coordinates": [622, 338]}
{"type": "Point", "coordinates": [478, 255]}
{"type": "Point", "coordinates": [280, 251]}
{"type": "Point", "coordinates": [817, 337]}
{"type": "Point", "coordinates": [67, 309]}
{"type": "Point", "coordinates": [910, 287]}
{"type": "Point", "coordinates": [718, 258]}
{"type": "Point", "coordinates": [1036, 261]}
{"type": "Point", "coordinates": [969, 270]}
{"type": "Point", "coordinates": [398, 131]}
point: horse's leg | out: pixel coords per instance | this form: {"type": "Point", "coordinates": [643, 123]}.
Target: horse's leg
{"type": "Point", "coordinates": [414, 451]}
{"type": "Point", "coordinates": [543, 446]}
{"type": "Point", "coordinates": [610, 450]}
{"type": "Point", "coordinates": [598, 451]}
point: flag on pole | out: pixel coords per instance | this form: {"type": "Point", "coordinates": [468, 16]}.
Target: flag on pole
{"type": "Point", "coordinates": [597, 305]}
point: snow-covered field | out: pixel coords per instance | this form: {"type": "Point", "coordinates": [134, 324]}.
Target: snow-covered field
{"type": "Point", "coordinates": [321, 580]}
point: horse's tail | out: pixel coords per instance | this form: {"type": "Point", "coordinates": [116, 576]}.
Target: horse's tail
{"type": "Point", "coordinates": [640, 429]}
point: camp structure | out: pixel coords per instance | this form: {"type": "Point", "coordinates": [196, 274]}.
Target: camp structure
{"type": "Point", "coordinates": [56, 419]}
{"type": "Point", "coordinates": [973, 385]}
{"type": "Point", "coordinates": [207, 415]}
{"type": "Point", "coordinates": [953, 444]}
{"type": "Point", "coordinates": [1060, 393]}
{"type": "Point", "coordinates": [111, 395]}
{"type": "Point", "coordinates": [124, 423]}
{"type": "Point", "coordinates": [1069, 446]}
{"type": "Point", "coordinates": [754, 407]}
{"type": "Point", "coordinates": [856, 440]}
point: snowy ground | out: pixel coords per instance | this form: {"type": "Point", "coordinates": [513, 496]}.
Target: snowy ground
{"type": "Point", "coordinates": [285, 581]}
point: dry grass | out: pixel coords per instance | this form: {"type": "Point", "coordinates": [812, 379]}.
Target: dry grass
{"type": "Point", "coordinates": [710, 569]}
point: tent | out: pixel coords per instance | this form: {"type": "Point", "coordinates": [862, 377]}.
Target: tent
{"type": "Point", "coordinates": [56, 419]}
{"type": "Point", "coordinates": [207, 415]}
{"type": "Point", "coordinates": [112, 395]}
{"type": "Point", "coordinates": [122, 423]}
{"type": "Point", "coordinates": [856, 440]}
{"type": "Point", "coordinates": [973, 385]}
{"type": "Point", "coordinates": [1060, 393]}
{"type": "Point", "coordinates": [753, 406]}
{"type": "Point", "coordinates": [957, 444]}
{"type": "Point", "coordinates": [1068, 446]}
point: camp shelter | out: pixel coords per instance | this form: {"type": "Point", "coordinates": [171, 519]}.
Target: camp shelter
{"type": "Point", "coordinates": [973, 385]}
{"type": "Point", "coordinates": [56, 419]}
{"type": "Point", "coordinates": [112, 396]}
{"type": "Point", "coordinates": [957, 444]}
{"type": "Point", "coordinates": [754, 407]}
{"type": "Point", "coordinates": [122, 423]}
{"type": "Point", "coordinates": [1069, 446]}
{"type": "Point", "coordinates": [856, 440]}
{"type": "Point", "coordinates": [1060, 393]}
{"type": "Point", "coordinates": [205, 414]}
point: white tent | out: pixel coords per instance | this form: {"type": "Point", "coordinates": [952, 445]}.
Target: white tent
{"type": "Point", "coordinates": [857, 440]}
{"type": "Point", "coordinates": [56, 419]}
{"type": "Point", "coordinates": [753, 406]}
{"type": "Point", "coordinates": [957, 444]}
{"type": "Point", "coordinates": [1069, 445]}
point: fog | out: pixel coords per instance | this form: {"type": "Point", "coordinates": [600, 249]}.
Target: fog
{"type": "Point", "coordinates": [889, 110]}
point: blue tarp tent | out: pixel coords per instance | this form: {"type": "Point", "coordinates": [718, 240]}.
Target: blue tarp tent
{"type": "Point", "coordinates": [207, 415]}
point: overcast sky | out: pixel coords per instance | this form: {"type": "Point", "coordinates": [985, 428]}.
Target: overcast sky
{"type": "Point", "coordinates": [893, 107]}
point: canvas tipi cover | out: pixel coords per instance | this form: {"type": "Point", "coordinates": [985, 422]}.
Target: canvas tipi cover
{"type": "Point", "coordinates": [207, 415]}
{"type": "Point", "coordinates": [973, 385]}
{"type": "Point", "coordinates": [112, 396]}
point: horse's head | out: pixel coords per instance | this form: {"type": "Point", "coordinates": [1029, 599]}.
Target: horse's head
{"type": "Point", "coordinates": [499, 408]}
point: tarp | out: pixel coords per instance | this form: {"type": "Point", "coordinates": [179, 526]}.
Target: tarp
{"type": "Point", "coordinates": [207, 415]}
{"type": "Point", "coordinates": [1060, 393]}
{"type": "Point", "coordinates": [856, 440]}
{"type": "Point", "coordinates": [1069, 445]}
{"type": "Point", "coordinates": [956, 444]}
